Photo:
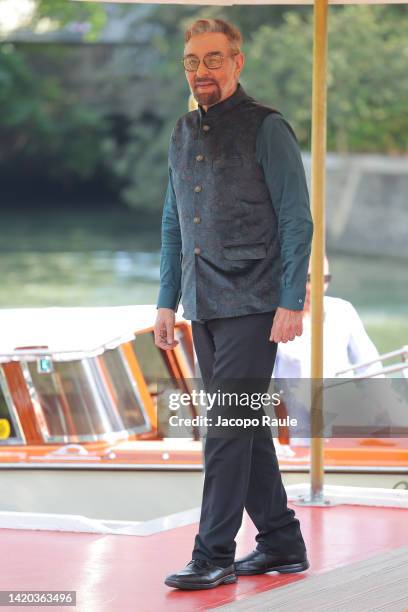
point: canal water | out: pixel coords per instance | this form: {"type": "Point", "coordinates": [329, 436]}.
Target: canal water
{"type": "Point", "coordinates": [377, 286]}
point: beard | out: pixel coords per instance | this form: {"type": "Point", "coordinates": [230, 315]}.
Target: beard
{"type": "Point", "coordinates": [207, 98]}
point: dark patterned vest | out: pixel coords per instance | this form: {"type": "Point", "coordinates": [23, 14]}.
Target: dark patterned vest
{"type": "Point", "coordinates": [230, 256]}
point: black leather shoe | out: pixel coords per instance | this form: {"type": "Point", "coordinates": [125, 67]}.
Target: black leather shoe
{"type": "Point", "coordinates": [200, 574]}
{"type": "Point", "coordinates": [258, 562]}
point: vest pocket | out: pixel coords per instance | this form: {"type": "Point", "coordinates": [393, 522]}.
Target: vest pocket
{"type": "Point", "coordinates": [245, 251]}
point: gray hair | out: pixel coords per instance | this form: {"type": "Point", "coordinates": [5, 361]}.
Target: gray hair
{"type": "Point", "coordinates": [200, 26]}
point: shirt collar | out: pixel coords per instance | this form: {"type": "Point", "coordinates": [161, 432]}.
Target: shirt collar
{"type": "Point", "coordinates": [217, 109]}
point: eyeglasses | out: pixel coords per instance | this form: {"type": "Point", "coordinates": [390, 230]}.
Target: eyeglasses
{"type": "Point", "coordinates": [327, 278]}
{"type": "Point", "coordinates": [211, 61]}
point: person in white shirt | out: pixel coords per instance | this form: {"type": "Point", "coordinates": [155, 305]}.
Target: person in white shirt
{"type": "Point", "coordinates": [345, 343]}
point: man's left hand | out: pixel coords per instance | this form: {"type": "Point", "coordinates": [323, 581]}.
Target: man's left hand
{"type": "Point", "coordinates": [287, 324]}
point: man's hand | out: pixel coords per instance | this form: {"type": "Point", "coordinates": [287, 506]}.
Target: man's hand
{"type": "Point", "coordinates": [164, 329]}
{"type": "Point", "coordinates": [286, 325]}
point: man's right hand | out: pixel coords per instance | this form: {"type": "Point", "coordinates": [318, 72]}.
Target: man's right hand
{"type": "Point", "coordinates": [164, 329]}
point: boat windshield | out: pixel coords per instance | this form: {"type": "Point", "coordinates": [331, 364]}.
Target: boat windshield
{"type": "Point", "coordinates": [10, 428]}
{"type": "Point", "coordinates": [87, 399]}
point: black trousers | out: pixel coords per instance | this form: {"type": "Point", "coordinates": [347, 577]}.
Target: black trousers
{"type": "Point", "coordinates": [241, 471]}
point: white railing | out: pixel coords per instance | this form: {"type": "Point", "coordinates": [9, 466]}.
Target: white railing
{"type": "Point", "coordinates": [398, 367]}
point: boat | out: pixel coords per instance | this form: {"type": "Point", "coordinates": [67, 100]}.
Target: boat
{"type": "Point", "coordinates": [107, 504]}
{"type": "Point", "coordinates": [81, 392]}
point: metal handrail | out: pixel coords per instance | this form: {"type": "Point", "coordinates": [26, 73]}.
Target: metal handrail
{"type": "Point", "coordinates": [402, 351]}
{"type": "Point", "coordinates": [387, 370]}
{"type": "Point", "coordinates": [27, 353]}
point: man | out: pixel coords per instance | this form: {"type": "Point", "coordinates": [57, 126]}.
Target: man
{"type": "Point", "coordinates": [236, 235]}
{"type": "Point", "coordinates": [346, 340]}
{"type": "Point", "coordinates": [346, 343]}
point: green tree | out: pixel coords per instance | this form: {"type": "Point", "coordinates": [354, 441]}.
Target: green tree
{"type": "Point", "coordinates": [63, 12]}
{"type": "Point", "coordinates": [138, 92]}
{"type": "Point", "coordinates": [367, 82]}
{"type": "Point", "coordinates": [40, 120]}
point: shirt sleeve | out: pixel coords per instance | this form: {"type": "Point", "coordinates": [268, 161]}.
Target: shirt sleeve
{"type": "Point", "coordinates": [278, 152]}
{"type": "Point", "coordinates": [170, 255]}
{"type": "Point", "coordinates": [360, 347]}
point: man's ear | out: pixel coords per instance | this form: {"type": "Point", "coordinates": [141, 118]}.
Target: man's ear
{"type": "Point", "coordinates": [240, 61]}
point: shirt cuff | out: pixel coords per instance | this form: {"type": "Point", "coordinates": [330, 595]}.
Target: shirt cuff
{"type": "Point", "coordinates": [168, 298]}
{"type": "Point", "coordinates": [292, 299]}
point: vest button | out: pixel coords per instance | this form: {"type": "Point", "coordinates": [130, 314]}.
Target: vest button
{"type": "Point", "coordinates": [206, 127]}
{"type": "Point", "coordinates": [198, 188]}
{"type": "Point", "coordinates": [200, 157]}
{"type": "Point", "coordinates": [197, 250]}
{"type": "Point", "coordinates": [196, 219]}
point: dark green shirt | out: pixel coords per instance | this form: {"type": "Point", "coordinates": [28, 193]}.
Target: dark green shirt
{"type": "Point", "coordinates": [277, 150]}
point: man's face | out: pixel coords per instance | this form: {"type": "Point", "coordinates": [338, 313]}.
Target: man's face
{"type": "Point", "coordinates": [210, 86]}
{"type": "Point", "coordinates": [326, 271]}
